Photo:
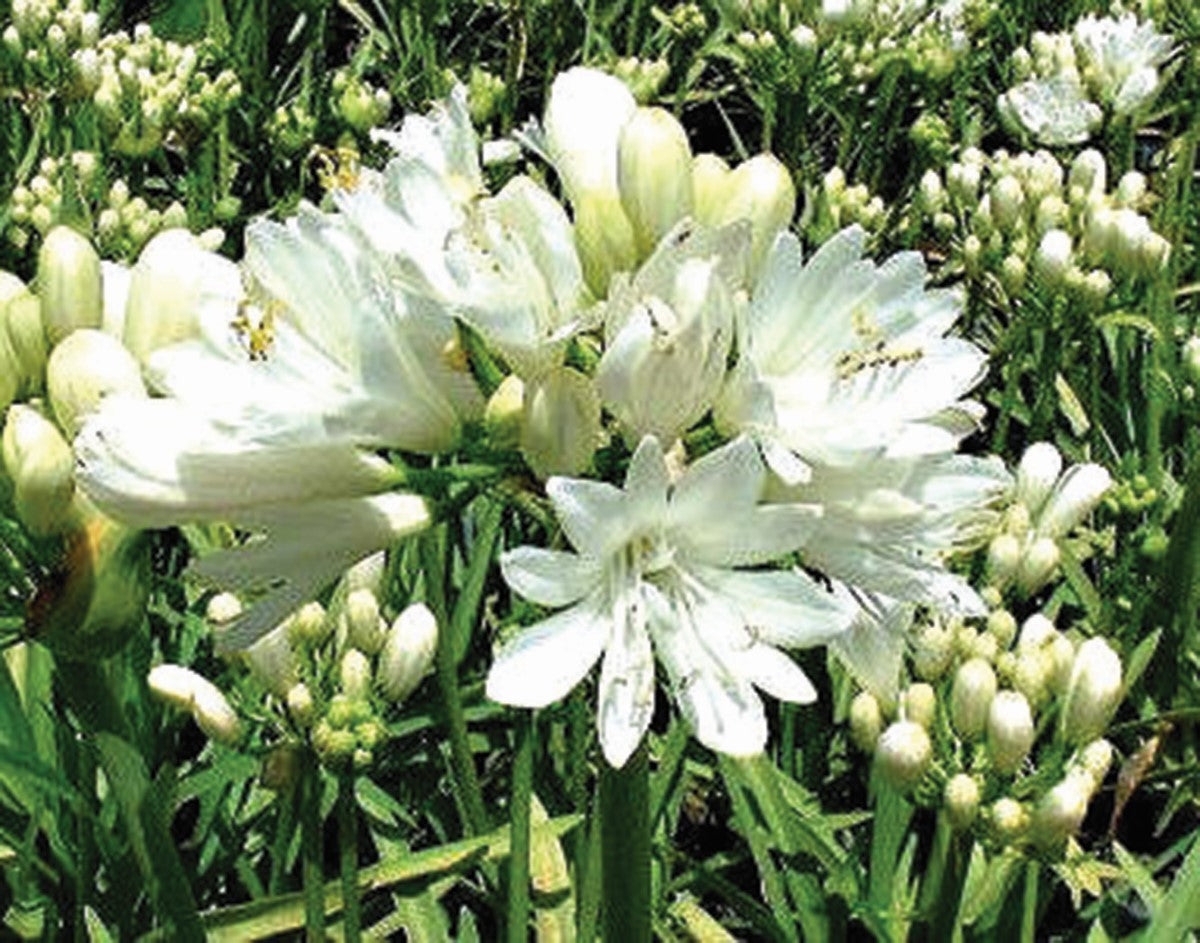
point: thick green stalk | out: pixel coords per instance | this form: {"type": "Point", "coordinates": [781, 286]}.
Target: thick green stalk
{"type": "Point", "coordinates": [348, 858]}
{"type": "Point", "coordinates": [625, 837]}
{"type": "Point", "coordinates": [518, 817]}
{"type": "Point", "coordinates": [310, 850]}
{"type": "Point", "coordinates": [433, 551]}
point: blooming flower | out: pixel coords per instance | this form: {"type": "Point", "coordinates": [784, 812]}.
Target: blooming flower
{"type": "Point", "coordinates": [1054, 110]}
{"type": "Point", "coordinates": [842, 360]}
{"type": "Point", "coordinates": [655, 570]}
{"type": "Point", "coordinates": [1119, 59]}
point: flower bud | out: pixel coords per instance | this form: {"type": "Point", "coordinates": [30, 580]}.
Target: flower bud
{"type": "Point", "coordinates": [1041, 464]}
{"type": "Point", "coordinates": [1009, 820]}
{"type": "Point", "coordinates": [1088, 172]}
{"type": "Point", "coordinates": [69, 283]}
{"type": "Point", "coordinates": [309, 626]}
{"type": "Point", "coordinates": [1096, 288]}
{"type": "Point", "coordinates": [971, 697]}
{"type": "Point", "coordinates": [1004, 556]}
{"type": "Point", "coordinates": [40, 463]}
{"type": "Point", "coordinates": [300, 704]}
{"type": "Point", "coordinates": [654, 163]}
{"type": "Point", "coordinates": [1062, 810]}
{"type": "Point", "coordinates": [1093, 692]}
{"type": "Point", "coordinates": [1060, 659]}
{"type": "Point", "coordinates": [919, 704]}
{"type": "Point", "coordinates": [364, 625]}
{"type": "Point", "coordinates": [272, 661]}
{"type": "Point", "coordinates": [866, 721]}
{"type": "Point", "coordinates": [354, 673]}
{"type": "Point", "coordinates": [367, 573]}
{"type": "Point", "coordinates": [604, 237]}
{"type": "Point", "coordinates": [1009, 731]}
{"type": "Point", "coordinates": [903, 754]}
{"type": "Point", "coordinates": [22, 322]}
{"type": "Point", "coordinates": [408, 654]}
{"type": "Point", "coordinates": [1008, 202]}
{"type": "Point", "coordinates": [1095, 759]}
{"type": "Point", "coordinates": [1039, 563]}
{"type": "Point", "coordinates": [933, 195]}
{"type": "Point", "coordinates": [83, 369]}
{"type": "Point", "coordinates": [502, 416]}
{"type": "Point", "coordinates": [962, 182]}
{"type": "Point", "coordinates": [961, 800]}
{"type": "Point", "coordinates": [1002, 625]}
{"type": "Point", "coordinates": [761, 190]}
{"type": "Point", "coordinates": [560, 428]}
{"type": "Point", "coordinates": [932, 652]}
{"type": "Point", "coordinates": [186, 690]}
{"type": "Point", "coordinates": [1013, 273]}
{"type": "Point", "coordinates": [1053, 260]}
{"type": "Point", "coordinates": [710, 188]}
{"type": "Point", "coordinates": [223, 608]}
{"type": "Point", "coordinates": [1131, 188]}
{"type": "Point", "coordinates": [1051, 213]}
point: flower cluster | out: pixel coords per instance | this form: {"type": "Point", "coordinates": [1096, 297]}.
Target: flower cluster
{"type": "Point", "coordinates": [1023, 214]}
{"type": "Point", "coordinates": [1069, 80]}
{"type": "Point", "coordinates": [669, 323]}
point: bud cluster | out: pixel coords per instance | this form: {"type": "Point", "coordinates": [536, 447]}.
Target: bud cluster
{"type": "Point", "coordinates": [969, 731]}
{"type": "Point", "coordinates": [336, 671]}
{"type": "Point", "coordinates": [645, 77]}
{"type": "Point", "coordinates": [122, 223]}
{"type": "Point", "coordinates": [359, 104]}
{"type": "Point", "coordinates": [835, 205]}
{"type": "Point", "coordinates": [1066, 81]}
{"type": "Point", "coordinates": [1018, 216]}
{"type": "Point", "coordinates": [147, 90]}
{"type": "Point", "coordinates": [43, 35]}
{"type": "Point", "coordinates": [1047, 505]}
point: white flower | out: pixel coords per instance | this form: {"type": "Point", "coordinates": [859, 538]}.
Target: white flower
{"type": "Point", "coordinates": [842, 359]}
{"type": "Point", "coordinates": [668, 332]}
{"type": "Point", "coordinates": [1054, 111]}
{"type": "Point", "coordinates": [1119, 57]}
{"type": "Point", "coordinates": [654, 571]}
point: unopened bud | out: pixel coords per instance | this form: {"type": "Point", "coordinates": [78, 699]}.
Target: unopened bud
{"type": "Point", "coordinates": [408, 653]}
{"type": "Point", "coordinates": [710, 188]}
{"type": "Point", "coordinates": [22, 317]}
{"type": "Point", "coordinates": [185, 689]}
{"type": "Point", "coordinates": [1008, 202]}
{"type": "Point", "coordinates": [273, 662]}
{"type": "Point", "coordinates": [1093, 692]}
{"type": "Point", "coordinates": [919, 704]}
{"type": "Point", "coordinates": [1038, 565]}
{"type": "Point", "coordinates": [866, 721]}
{"type": "Point", "coordinates": [561, 424]}
{"type": "Point", "coordinates": [761, 190]}
{"type": "Point", "coordinates": [654, 163]}
{"type": "Point", "coordinates": [1096, 759]}
{"type": "Point", "coordinates": [502, 416]}
{"type": "Point", "coordinates": [971, 697]}
{"type": "Point", "coordinates": [1131, 188]}
{"type": "Point", "coordinates": [1053, 260]}
{"type": "Point", "coordinates": [364, 625]}
{"type": "Point", "coordinates": [223, 608]}
{"type": "Point", "coordinates": [903, 754]}
{"type": "Point", "coordinates": [309, 626]}
{"type": "Point", "coordinates": [69, 283]}
{"type": "Point", "coordinates": [1009, 731]}
{"type": "Point", "coordinates": [961, 800]}
{"type": "Point", "coordinates": [83, 369]}
{"type": "Point", "coordinates": [354, 672]}
{"type": "Point", "coordinates": [1088, 172]}
{"type": "Point", "coordinates": [42, 467]}
{"type": "Point", "coordinates": [1004, 556]}
{"type": "Point", "coordinates": [300, 704]}
{"type": "Point", "coordinates": [1009, 820]}
{"type": "Point", "coordinates": [1062, 811]}
{"type": "Point", "coordinates": [1002, 625]}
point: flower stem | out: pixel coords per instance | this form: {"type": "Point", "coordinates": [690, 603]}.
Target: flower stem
{"type": "Point", "coordinates": [310, 850]}
{"type": "Point", "coordinates": [625, 837]}
{"type": "Point", "coordinates": [518, 859]}
{"type": "Point", "coordinates": [348, 858]}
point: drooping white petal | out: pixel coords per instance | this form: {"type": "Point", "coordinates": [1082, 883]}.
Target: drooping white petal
{"type": "Point", "coordinates": [872, 649]}
{"type": "Point", "coordinates": [549, 577]}
{"type": "Point", "coordinates": [545, 661]}
{"type": "Point", "coordinates": [783, 607]}
{"type": "Point", "coordinates": [1077, 492]}
{"type": "Point", "coordinates": [626, 696]}
{"type": "Point", "coordinates": [774, 672]}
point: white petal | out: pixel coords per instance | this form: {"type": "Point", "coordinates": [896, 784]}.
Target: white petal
{"type": "Point", "coordinates": [774, 672]}
{"type": "Point", "coordinates": [626, 696]}
{"type": "Point", "coordinates": [593, 514]}
{"type": "Point", "coordinates": [784, 608]}
{"type": "Point", "coordinates": [754, 536]}
{"type": "Point", "coordinates": [583, 122]}
{"type": "Point", "coordinates": [1077, 492]}
{"type": "Point", "coordinates": [647, 481]}
{"type": "Point", "coordinates": [549, 577]}
{"type": "Point", "coordinates": [873, 648]}
{"type": "Point", "coordinates": [543, 662]}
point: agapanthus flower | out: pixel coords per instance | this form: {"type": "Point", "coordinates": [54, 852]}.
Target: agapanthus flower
{"type": "Point", "coordinates": [1119, 59]}
{"type": "Point", "coordinates": [657, 569]}
{"type": "Point", "coordinates": [1054, 110]}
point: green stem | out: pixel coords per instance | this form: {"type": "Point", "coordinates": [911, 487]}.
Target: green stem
{"type": "Point", "coordinates": [310, 850]}
{"type": "Point", "coordinates": [625, 837]}
{"type": "Point", "coordinates": [348, 858]}
{"type": "Point", "coordinates": [518, 859]}
{"type": "Point", "coordinates": [942, 886]}
{"type": "Point", "coordinates": [462, 762]}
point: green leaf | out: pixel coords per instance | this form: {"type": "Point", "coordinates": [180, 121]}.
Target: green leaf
{"type": "Point", "coordinates": [1180, 910]}
{"type": "Point", "coordinates": [1139, 658]}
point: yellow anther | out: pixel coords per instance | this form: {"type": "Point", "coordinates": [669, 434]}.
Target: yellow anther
{"type": "Point", "coordinates": [256, 337]}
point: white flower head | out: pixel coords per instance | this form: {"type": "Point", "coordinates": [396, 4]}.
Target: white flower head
{"type": "Point", "coordinates": [1054, 110]}
{"type": "Point", "coordinates": [655, 572]}
{"type": "Point", "coordinates": [1119, 59]}
{"type": "Point", "coordinates": [843, 359]}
